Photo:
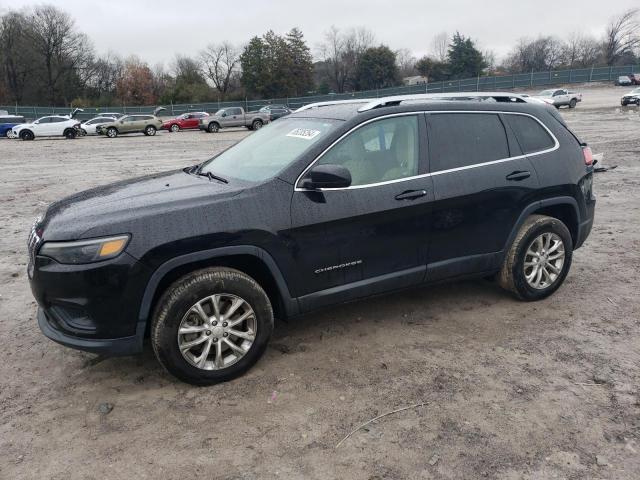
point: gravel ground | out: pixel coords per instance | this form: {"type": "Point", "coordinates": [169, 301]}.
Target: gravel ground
{"type": "Point", "coordinates": [509, 390]}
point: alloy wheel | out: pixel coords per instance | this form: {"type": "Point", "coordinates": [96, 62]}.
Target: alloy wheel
{"type": "Point", "coordinates": [217, 331]}
{"type": "Point", "coordinates": [544, 260]}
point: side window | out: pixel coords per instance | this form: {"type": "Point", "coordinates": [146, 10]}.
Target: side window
{"type": "Point", "coordinates": [380, 151]}
{"type": "Point", "coordinates": [236, 111]}
{"type": "Point", "coordinates": [45, 120]}
{"type": "Point", "coordinates": [531, 136]}
{"type": "Point", "coordinates": [464, 139]}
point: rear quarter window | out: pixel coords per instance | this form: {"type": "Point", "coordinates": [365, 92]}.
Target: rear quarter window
{"type": "Point", "coordinates": [465, 139]}
{"type": "Point", "coordinates": [531, 136]}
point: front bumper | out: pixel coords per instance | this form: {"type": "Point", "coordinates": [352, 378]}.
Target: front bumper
{"type": "Point", "coordinates": [93, 307]}
{"type": "Point", "coordinates": [111, 346]}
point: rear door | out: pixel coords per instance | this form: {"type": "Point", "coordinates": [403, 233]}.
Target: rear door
{"type": "Point", "coordinates": [369, 237]}
{"type": "Point", "coordinates": [481, 184]}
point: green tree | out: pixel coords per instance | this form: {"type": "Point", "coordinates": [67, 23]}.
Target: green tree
{"type": "Point", "coordinates": [434, 70]}
{"type": "Point", "coordinates": [377, 68]}
{"type": "Point", "coordinates": [253, 63]}
{"type": "Point", "coordinates": [465, 60]}
{"type": "Point", "coordinates": [301, 63]}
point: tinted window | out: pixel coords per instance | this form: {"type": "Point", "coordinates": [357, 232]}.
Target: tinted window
{"type": "Point", "coordinates": [463, 139]}
{"type": "Point", "coordinates": [378, 152]}
{"type": "Point", "coordinates": [531, 136]}
{"type": "Point", "coordinates": [58, 119]}
{"type": "Point", "coordinates": [45, 120]}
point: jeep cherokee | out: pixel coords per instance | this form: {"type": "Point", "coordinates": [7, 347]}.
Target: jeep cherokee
{"type": "Point", "coordinates": [333, 203]}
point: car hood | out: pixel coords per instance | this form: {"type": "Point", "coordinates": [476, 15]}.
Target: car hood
{"type": "Point", "coordinates": [93, 212]}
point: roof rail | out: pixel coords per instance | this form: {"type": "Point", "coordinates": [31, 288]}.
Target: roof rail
{"type": "Point", "coordinates": [333, 102]}
{"type": "Point", "coordinates": [497, 96]}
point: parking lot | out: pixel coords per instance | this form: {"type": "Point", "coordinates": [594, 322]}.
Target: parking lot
{"type": "Point", "coordinates": [498, 388]}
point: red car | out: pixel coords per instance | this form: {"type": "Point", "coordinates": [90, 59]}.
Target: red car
{"type": "Point", "coordinates": [184, 121]}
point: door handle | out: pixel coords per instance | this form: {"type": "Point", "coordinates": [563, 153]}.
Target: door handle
{"type": "Point", "coordinates": [518, 175]}
{"type": "Point", "coordinates": [411, 194]}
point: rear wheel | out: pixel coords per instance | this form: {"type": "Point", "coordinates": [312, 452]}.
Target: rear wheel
{"type": "Point", "coordinates": [256, 125]}
{"type": "Point", "coordinates": [70, 134]}
{"type": "Point", "coordinates": [27, 135]}
{"type": "Point", "coordinates": [112, 132]}
{"type": "Point", "coordinates": [175, 128]}
{"type": "Point", "coordinates": [539, 258]}
{"type": "Point", "coordinates": [211, 326]}
{"type": "Point", "coordinates": [150, 131]}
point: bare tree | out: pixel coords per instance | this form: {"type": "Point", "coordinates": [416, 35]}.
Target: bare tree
{"type": "Point", "coordinates": [580, 51]}
{"type": "Point", "coordinates": [15, 66]}
{"type": "Point", "coordinates": [220, 64]}
{"type": "Point", "coordinates": [621, 36]}
{"type": "Point", "coordinates": [440, 46]}
{"type": "Point", "coordinates": [341, 53]}
{"type": "Point", "coordinates": [406, 62]}
{"type": "Point", "coordinates": [543, 53]}
{"type": "Point", "coordinates": [58, 46]}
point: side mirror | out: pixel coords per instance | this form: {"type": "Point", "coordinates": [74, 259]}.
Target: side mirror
{"type": "Point", "coordinates": [327, 176]}
{"type": "Point", "coordinates": [224, 114]}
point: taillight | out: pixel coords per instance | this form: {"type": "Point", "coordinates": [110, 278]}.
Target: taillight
{"type": "Point", "coordinates": [588, 156]}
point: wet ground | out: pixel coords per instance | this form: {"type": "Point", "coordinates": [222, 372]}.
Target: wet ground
{"type": "Point", "coordinates": [508, 390]}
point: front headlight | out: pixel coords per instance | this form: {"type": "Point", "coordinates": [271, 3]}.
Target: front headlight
{"type": "Point", "coordinates": [85, 251]}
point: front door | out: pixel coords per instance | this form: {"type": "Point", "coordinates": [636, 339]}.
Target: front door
{"type": "Point", "coordinates": [369, 237]}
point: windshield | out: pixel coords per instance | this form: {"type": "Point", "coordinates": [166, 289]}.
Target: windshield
{"type": "Point", "coordinates": [268, 151]}
{"type": "Point", "coordinates": [546, 93]}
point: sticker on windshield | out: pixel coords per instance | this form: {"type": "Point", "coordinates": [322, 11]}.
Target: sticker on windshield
{"type": "Point", "coordinates": [305, 133]}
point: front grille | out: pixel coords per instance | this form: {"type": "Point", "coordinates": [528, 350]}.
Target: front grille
{"type": "Point", "coordinates": [33, 243]}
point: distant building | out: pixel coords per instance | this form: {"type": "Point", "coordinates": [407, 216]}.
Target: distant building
{"type": "Point", "coordinates": [415, 80]}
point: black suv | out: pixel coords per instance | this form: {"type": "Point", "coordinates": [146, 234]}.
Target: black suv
{"type": "Point", "coordinates": [330, 204]}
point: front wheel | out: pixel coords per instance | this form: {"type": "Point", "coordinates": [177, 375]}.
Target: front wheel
{"type": "Point", "coordinates": [112, 132]}
{"type": "Point", "coordinates": [27, 135]}
{"type": "Point", "coordinates": [150, 131]}
{"type": "Point", "coordinates": [213, 127]}
{"type": "Point", "coordinates": [573, 103]}
{"type": "Point", "coordinates": [175, 128]}
{"type": "Point", "coordinates": [539, 258]}
{"type": "Point", "coordinates": [211, 326]}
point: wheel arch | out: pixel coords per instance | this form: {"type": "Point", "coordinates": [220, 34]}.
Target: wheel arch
{"type": "Point", "coordinates": [253, 261]}
{"type": "Point", "coordinates": [564, 209]}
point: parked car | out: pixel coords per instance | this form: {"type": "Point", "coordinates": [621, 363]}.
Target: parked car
{"type": "Point", "coordinates": [295, 217]}
{"type": "Point", "coordinates": [623, 81]}
{"type": "Point", "coordinates": [633, 97]}
{"type": "Point", "coordinates": [7, 122]}
{"type": "Point", "coordinates": [275, 111]}
{"type": "Point", "coordinates": [51, 126]}
{"type": "Point", "coordinates": [559, 97]}
{"type": "Point", "coordinates": [635, 78]}
{"type": "Point", "coordinates": [143, 123]}
{"type": "Point", "coordinates": [233, 117]}
{"type": "Point", "coordinates": [89, 127]}
{"type": "Point", "coordinates": [185, 121]}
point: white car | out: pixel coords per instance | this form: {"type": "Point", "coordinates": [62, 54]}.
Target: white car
{"type": "Point", "coordinates": [52, 126]}
{"type": "Point", "coordinates": [89, 127]}
{"type": "Point", "coordinates": [631, 98]}
{"type": "Point", "coordinates": [559, 97]}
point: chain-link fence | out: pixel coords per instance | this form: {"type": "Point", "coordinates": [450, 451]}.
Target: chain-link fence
{"type": "Point", "coordinates": [502, 82]}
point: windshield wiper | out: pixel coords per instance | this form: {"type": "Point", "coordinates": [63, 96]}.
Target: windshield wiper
{"type": "Point", "coordinates": [212, 176]}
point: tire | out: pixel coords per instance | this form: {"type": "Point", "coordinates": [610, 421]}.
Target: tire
{"type": "Point", "coordinates": [174, 128]}
{"type": "Point", "coordinates": [150, 131]}
{"type": "Point", "coordinates": [27, 135]}
{"type": "Point", "coordinates": [573, 103]}
{"type": "Point", "coordinates": [112, 132]}
{"type": "Point", "coordinates": [84, 132]}
{"type": "Point", "coordinates": [257, 125]}
{"type": "Point", "coordinates": [512, 276]}
{"type": "Point", "coordinates": [213, 127]}
{"type": "Point", "coordinates": [176, 308]}
{"type": "Point", "coordinates": [70, 134]}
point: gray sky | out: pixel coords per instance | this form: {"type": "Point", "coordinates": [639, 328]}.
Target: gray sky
{"type": "Point", "coordinates": [155, 30]}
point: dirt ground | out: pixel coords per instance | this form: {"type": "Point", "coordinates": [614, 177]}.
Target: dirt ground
{"type": "Point", "coordinates": [510, 390]}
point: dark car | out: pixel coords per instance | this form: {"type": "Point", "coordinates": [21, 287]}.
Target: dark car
{"type": "Point", "coordinates": [330, 204]}
{"type": "Point", "coordinates": [635, 78]}
{"type": "Point", "coordinates": [276, 111]}
{"type": "Point", "coordinates": [7, 122]}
